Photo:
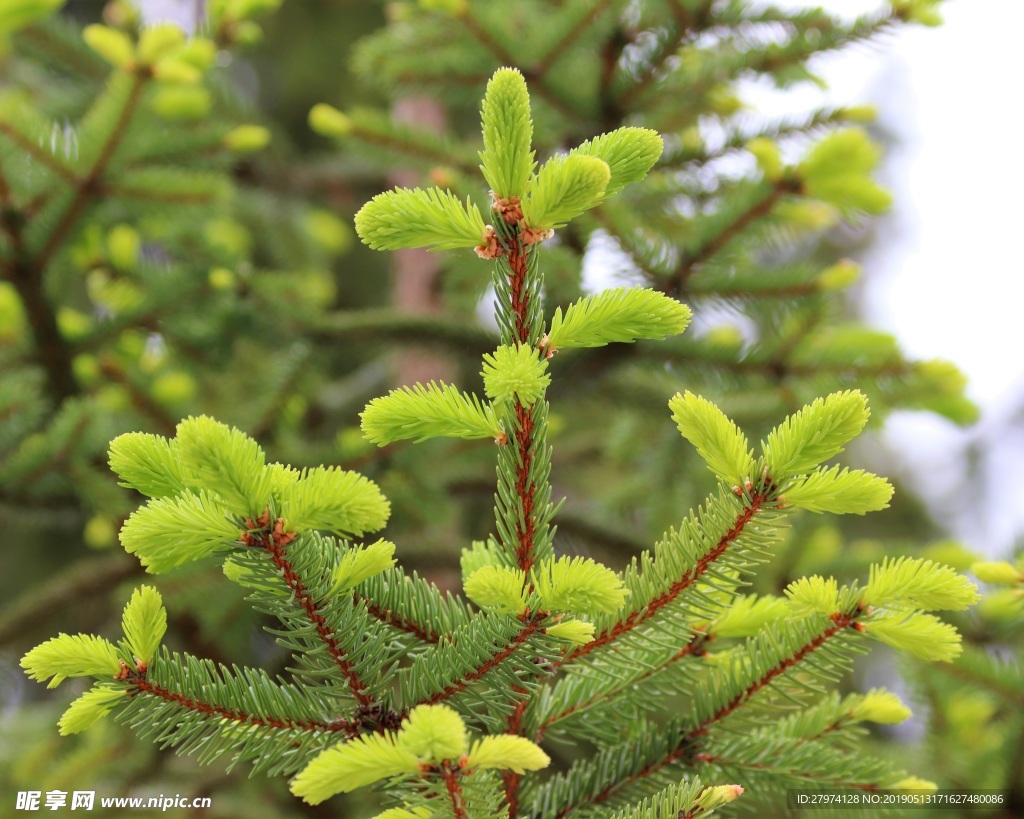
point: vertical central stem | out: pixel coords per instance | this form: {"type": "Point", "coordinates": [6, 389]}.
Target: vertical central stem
{"type": "Point", "coordinates": [522, 503]}
{"type": "Point", "coordinates": [524, 423]}
{"type": "Point", "coordinates": [519, 292]}
{"type": "Point", "coordinates": [525, 488]}
{"type": "Point", "coordinates": [523, 499]}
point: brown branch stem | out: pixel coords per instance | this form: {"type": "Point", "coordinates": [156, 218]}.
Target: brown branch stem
{"type": "Point", "coordinates": [840, 622]}
{"type": "Point", "coordinates": [638, 616]}
{"type": "Point", "coordinates": [143, 685]}
{"type": "Point", "coordinates": [695, 647]}
{"type": "Point", "coordinates": [398, 621]}
{"type": "Point", "coordinates": [524, 427]}
{"type": "Point", "coordinates": [511, 779]}
{"type": "Point", "coordinates": [451, 781]}
{"type": "Point", "coordinates": [757, 766]}
{"type": "Point", "coordinates": [530, 627]}
{"type": "Point", "coordinates": [274, 542]}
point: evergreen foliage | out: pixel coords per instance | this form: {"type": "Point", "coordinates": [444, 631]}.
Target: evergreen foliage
{"type": "Point", "coordinates": [516, 668]}
{"type": "Point", "coordinates": [160, 260]}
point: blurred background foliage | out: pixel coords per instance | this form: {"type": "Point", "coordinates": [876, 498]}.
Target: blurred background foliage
{"type": "Point", "coordinates": [185, 247]}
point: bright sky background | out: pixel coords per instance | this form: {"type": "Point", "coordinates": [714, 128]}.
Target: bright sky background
{"type": "Point", "coordinates": [948, 94]}
{"type": "Point", "coordinates": [947, 274]}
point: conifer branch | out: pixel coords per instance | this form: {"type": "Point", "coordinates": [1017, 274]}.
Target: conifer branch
{"type": "Point", "coordinates": [197, 706]}
{"type": "Point", "coordinates": [393, 139]}
{"type": "Point", "coordinates": [737, 139]}
{"type": "Point", "coordinates": [528, 628]}
{"type": "Point", "coordinates": [510, 779]}
{"type": "Point", "coordinates": [806, 775]}
{"type": "Point", "coordinates": [675, 284]}
{"type": "Point", "coordinates": [862, 29]}
{"type": "Point", "coordinates": [274, 542]}
{"type": "Point", "coordinates": [537, 81]}
{"type": "Point", "coordinates": [694, 648]}
{"type": "Point", "coordinates": [38, 154]}
{"type": "Point", "coordinates": [166, 197]}
{"type": "Point", "coordinates": [523, 510]}
{"type": "Point", "coordinates": [775, 367]}
{"type": "Point", "coordinates": [840, 621]}
{"type": "Point", "coordinates": [396, 620]}
{"type": "Point", "coordinates": [147, 318]}
{"type": "Point", "coordinates": [639, 616]}
{"type": "Point", "coordinates": [441, 78]}
{"type": "Point", "coordinates": [557, 51]}
{"type": "Point", "coordinates": [139, 684]}
{"type": "Point", "coordinates": [67, 587]}
{"type": "Point", "coordinates": [687, 24]}
{"type": "Point", "coordinates": [525, 488]}
{"type": "Point", "coordinates": [683, 746]}
{"type": "Point", "coordinates": [412, 605]}
{"type": "Point", "coordinates": [74, 63]}
{"type": "Point", "coordinates": [784, 291]}
{"type": "Point", "coordinates": [58, 458]}
{"type": "Point", "coordinates": [375, 325]}
{"type": "Point", "coordinates": [146, 406]}
{"type": "Point", "coordinates": [961, 670]}
{"type": "Point", "coordinates": [91, 185]}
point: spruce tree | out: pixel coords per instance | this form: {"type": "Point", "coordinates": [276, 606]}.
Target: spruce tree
{"type": "Point", "coordinates": [398, 666]}
{"type": "Point", "coordinates": [390, 676]}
